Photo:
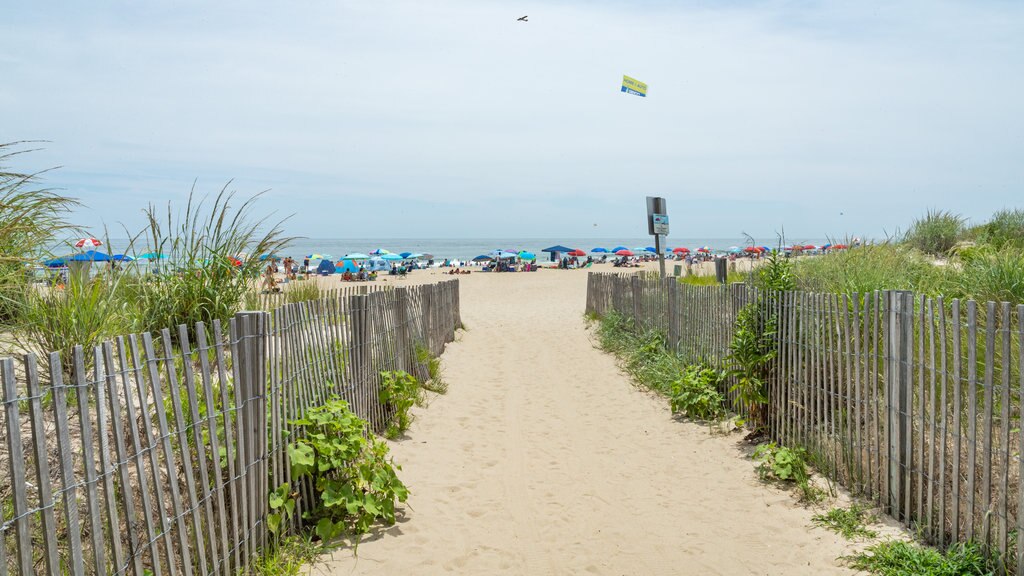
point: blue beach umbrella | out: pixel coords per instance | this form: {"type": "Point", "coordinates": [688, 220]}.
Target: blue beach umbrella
{"type": "Point", "coordinates": [122, 258]}
{"type": "Point", "coordinates": [651, 249]}
{"type": "Point", "coordinates": [392, 257]}
{"type": "Point", "coordinates": [482, 258]}
{"type": "Point", "coordinates": [55, 263]}
{"type": "Point", "coordinates": [617, 248]}
{"type": "Point", "coordinates": [557, 248]}
{"type": "Point", "coordinates": [406, 254]}
{"type": "Point", "coordinates": [152, 256]}
{"type": "Point", "coordinates": [90, 256]}
{"type": "Point", "coordinates": [735, 250]}
{"type": "Point", "coordinates": [599, 250]}
{"type": "Point", "coordinates": [380, 252]}
{"type": "Point", "coordinates": [527, 255]}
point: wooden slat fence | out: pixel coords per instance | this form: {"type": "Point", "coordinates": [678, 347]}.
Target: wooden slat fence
{"type": "Point", "coordinates": [911, 402]}
{"type": "Point", "coordinates": [155, 453]}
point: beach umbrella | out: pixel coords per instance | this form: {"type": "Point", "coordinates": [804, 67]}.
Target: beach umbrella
{"type": "Point", "coordinates": [599, 250]}
{"type": "Point", "coordinates": [482, 258]}
{"type": "Point", "coordinates": [639, 249]}
{"type": "Point", "coordinates": [380, 252]}
{"type": "Point", "coordinates": [826, 246]}
{"type": "Point", "coordinates": [55, 263]}
{"type": "Point", "coordinates": [122, 258]}
{"type": "Point", "coordinates": [681, 250]}
{"type": "Point", "coordinates": [527, 255]}
{"type": "Point", "coordinates": [88, 243]}
{"type": "Point", "coordinates": [577, 252]}
{"type": "Point", "coordinates": [414, 255]}
{"type": "Point", "coordinates": [319, 256]}
{"type": "Point", "coordinates": [766, 248]}
{"type": "Point", "coordinates": [152, 256]}
{"type": "Point", "coordinates": [392, 257]}
{"type": "Point", "coordinates": [840, 247]}
{"type": "Point", "coordinates": [356, 256]}
{"type": "Point", "coordinates": [704, 249]}
{"type": "Point", "coordinates": [406, 255]}
{"type": "Point", "coordinates": [735, 250]}
{"type": "Point", "coordinates": [617, 248]}
{"type": "Point", "coordinates": [624, 252]}
{"type": "Point", "coordinates": [557, 248]}
{"type": "Point", "coordinates": [269, 256]}
{"type": "Point", "coordinates": [651, 249]}
{"type": "Point", "coordinates": [89, 256]}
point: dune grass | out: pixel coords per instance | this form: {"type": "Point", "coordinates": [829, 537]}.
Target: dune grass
{"type": "Point", "coordinates": [936, 232]}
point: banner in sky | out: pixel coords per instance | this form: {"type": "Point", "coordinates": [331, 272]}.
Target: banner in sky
{"type": "Point", "coordinates": [633, 86]}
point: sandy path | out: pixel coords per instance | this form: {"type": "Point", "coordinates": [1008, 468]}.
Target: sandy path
{"type": "Point", "coordinates": [543, 459]}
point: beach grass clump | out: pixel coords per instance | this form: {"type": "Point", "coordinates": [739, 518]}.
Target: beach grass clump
{"type": "Point", "coordinates": [850, 522]}
{"type": "Point", "coordinates": [304, 291]}
{"type": "Point", "coordinates": [30, 219]}
{"type": "Point", "coordinates": [84, 312]}
{"type": "Point", "coordinates": [884, 266]}
{"type": "Point", "coordinates": [936, 232]}
{"type": "Point", "coordinates": [711, 280]}
{"type": "Point", "coordinates": [1004, 229]}
{"type": "Point", "coordinates": [215, 250]}
{"type": "Point", "coordinates": [898, 558]}
{"type": "Point", "coordinates": [287, 557]}
{"type": "Point", "coordinates": [989, 274]}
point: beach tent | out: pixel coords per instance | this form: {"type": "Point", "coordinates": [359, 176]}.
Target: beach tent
{"type": "Point", "coordinates": [325, 267]}
{"type": "Point", "coordinates": [557, 248]}
{"type": "Point", "coordinates": [346, 266]}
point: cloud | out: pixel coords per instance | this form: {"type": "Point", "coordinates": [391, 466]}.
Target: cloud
{"type": "Point", "coordinates": [876, 110]}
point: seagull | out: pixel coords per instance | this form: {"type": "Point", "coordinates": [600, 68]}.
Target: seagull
{"type": "Point", "coordinates": [523, 19]}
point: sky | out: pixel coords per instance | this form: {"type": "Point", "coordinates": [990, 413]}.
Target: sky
{"type": "Point", "coordinates": [450, 119]}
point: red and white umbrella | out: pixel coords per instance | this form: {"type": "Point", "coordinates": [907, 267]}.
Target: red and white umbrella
{"type": "Point", "coordinates": [88, 243]}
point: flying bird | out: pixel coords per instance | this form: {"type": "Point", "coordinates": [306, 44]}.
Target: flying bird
{"type": "Point", "coordinates": [523, 19]}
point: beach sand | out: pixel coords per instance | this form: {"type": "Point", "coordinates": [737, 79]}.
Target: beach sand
{"type": "Point", "coordinates": [543, 458]}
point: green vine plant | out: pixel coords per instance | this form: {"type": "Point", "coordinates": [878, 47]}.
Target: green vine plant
{"type": "Point", "coordinates": [354, 483]}
{"type": "Point", "coordinates": [695, 394]}
{"type": "Point", "coordinates": [787, 465]}
{"type": "Point", "coordinates": [399, 391]}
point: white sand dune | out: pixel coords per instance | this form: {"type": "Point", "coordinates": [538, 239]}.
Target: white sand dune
{"type": "Point", "coordinates": [544, 459]}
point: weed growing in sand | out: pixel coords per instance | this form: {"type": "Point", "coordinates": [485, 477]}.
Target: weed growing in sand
{"type": "Point", "coordinates": [398, 392]}
{"type": "Point", "coordinates": [434, 382]}
{"type": "Point", "coordinates": [784, 464]}
{"type": "Point", "coordinates": [696, 393]}
{"type": "Point", "coordinates": [287, 557]}
{"type": "Point", "coordinates": [897, 558]}
{"type": "Point", "coordinates": [850, 522]}
{"type": "Point", "coordinates": [354, 483]}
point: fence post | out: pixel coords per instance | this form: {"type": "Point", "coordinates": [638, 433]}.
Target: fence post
{"type": "Point", "coordinates": [898, 396]}
{"type": "Point", "coordinates": [358, 307]}
{"type": "Point", "coordinates": [635, 280]}
{"type": "Point", "coordinates": [251, 390]}
{"type": "Point", "coordinates": [673, 313]}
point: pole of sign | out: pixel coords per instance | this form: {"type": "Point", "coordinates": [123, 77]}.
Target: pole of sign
{"type": "Point", "coordinates": [661, 253]}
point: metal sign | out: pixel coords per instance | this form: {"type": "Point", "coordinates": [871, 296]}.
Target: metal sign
{"type": "Point", "coordinates": [633, 86]}
{"type": "Point", "coordinates": [656, 207]}
{"type": "Point", "coordinates": [660, 222]}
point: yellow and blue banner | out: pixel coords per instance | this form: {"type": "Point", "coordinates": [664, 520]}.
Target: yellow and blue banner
{"type": "Point", "coordinates": [633, 86]}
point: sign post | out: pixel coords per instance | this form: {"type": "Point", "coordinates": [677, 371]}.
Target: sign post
{"type": "Point", "coordinates": [657, 226]}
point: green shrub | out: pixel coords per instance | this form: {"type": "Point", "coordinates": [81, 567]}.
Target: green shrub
{"type": "Point", "coordinates": [399, 391]}
{"type": "Point", "coordinates": [695, 394]}
{"type": "Point", "coordinates": [898, 558]}
{"type": "Point", "coordinates": [936, 232]}
{"type": "Point", "coordinates": [354, 482]}
{"type": "Point", "coordinates": [784, 464]}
